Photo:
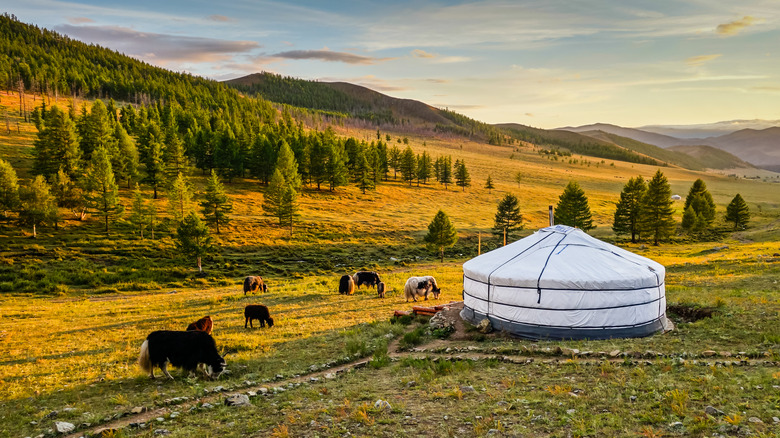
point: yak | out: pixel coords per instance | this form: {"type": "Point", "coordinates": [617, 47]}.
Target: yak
{"type": "Point", "coordinates": [254, 283]}
{"type": "Point", "coordinates": [421, 286]}
{"type": "Point", "coordinates": [204, 324]}
{"type": "Point", "coordinates": [369, 278]}
{"type": "Point", "coordinates": [346, 285]}
{"type": "Point", "coordinates": [257, 311]}
{"type": "Point", "coordinates": [185, 350]}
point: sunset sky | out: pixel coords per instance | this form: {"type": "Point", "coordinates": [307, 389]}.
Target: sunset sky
{"type": "Point", "coordinates": [546, 63]}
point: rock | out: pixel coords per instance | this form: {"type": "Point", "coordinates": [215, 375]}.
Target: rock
{"type": "Point", "coordinates": [160, 419]}
{"type": "Point", "coordinates": [466, 388]}
{"type": "Point", "coordinates": [632, 398]}
{"type": "Point", "coordinates": [755, 420]}
{"type": "Point", "coordinates": [571, 411]}
{"type": "Point", "coordinates": [570, 351]}
{"type": "Point", "coordinates": [64, 427]}
{"type": "Point", "coordinates": [711, 410]}
{"type": "Point", "coordinates": [314, 379]}
{"type": "Point", "coordinates": [485, 326]}
{"type": "Point", "coordinates": [775, 420]}
{"type": "Point", "coordinates": [174, 414]}
{"type": "Point", "coordinates": [68, 409]}
{"type": "Point", "coordinates": [218, 389]}
{"type": "Point", "coordinates": [237, 400]}
{"type": "Point", "coordinates": [383, 405]}
{"type": "Point", "coordinates": [262, 390]}
{"type": "Point", "coordinates": [330, 376]}
{"type": "Point", "coordinates": [162, 432]}
{"type": "Point", "coordinates": [439, 321]}
{"type": "Point", "coordinates": [138, 410]}
{"type": "Point", "coordinates": [676, 424]}
{"type": "Point", "coordinates": [251, 394]}
{"type": "Point", "coordinates": [708, 353]}
{"type": "Point", "coordinates": [51, 414]}
{"type": "Point", "coordinates": [411, 383]}
{"type": "Point", "coordinates": [492, 431]}
{"type": "Point", "coordinates": [614, 353]}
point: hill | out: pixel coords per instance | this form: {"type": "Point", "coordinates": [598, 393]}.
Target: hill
{"type": "Point", "coordinates": [652, 138]}
{"type": "Point", "coordinates": [712, 157]}
{"type": "Point", "coordinates": [704, 130]}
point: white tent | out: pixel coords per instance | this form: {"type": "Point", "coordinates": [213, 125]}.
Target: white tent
{"type": "Point", "coordinates": [561, 283]}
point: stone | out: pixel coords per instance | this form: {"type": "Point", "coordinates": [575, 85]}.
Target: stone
{"type": "Point", "coordinates": [314, 379]}
{"type": "Point", "coordinates": [64, 427]}
{"type": "Point", "coordinates": [708, 353]}
{"type": "Point", "coordinates": [755, 420]}
{"type": "Point", "coordinates": [51, 414]}
{"type": "Point", "coordinates": [237, 400]}
{"type": "Point", "coordinates": [485, 326]}
{"type": "Point", "coordinates": [251, 394]}
{"type": "Point", "coordinates": [711, 410]}
{"type": "Point", "coordinates": [632, 398]}
{"type": "Point", "coordinates": [162, 432]}
{"type": "Point", "coordinates": [492, 431]}
{"type": "Point", "coordinates": [467, 388]}
{"type": "Point", "coordinates": [614, 353]}
{"type": "Point", "coordinates": [68, 409]}
{"type": "Point", "coordinates": [160, 419]}
{"type": "Point", "coordinates": [571, 411]}
{"type": "Point", "coordinates": [382, 405]}
{"type": "Point", "coordinates": [262, 390]}
{"type": "Point", "coordinates": [219, 389]}
{"type": "Point", "coordinates": [676, 424]}
{"type": "Point", "coordinates": [174, 414]}
{"type": "Point", "coordinates": [138, 410]}
{"type": "Point", "coordinates": [775, 420]}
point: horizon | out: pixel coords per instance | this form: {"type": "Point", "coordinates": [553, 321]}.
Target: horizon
{"type": "Point", "coordinates": [547, 65]}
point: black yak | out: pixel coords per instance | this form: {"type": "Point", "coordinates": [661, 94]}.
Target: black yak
{"type": "Point", "coordinates": [185, 350]}
{"type": "Point", "coordinates": [346, 285]}
{"type": "Point", "coordinates": [253, 284]}
{"type": "Point", "coordinates": [369, 278]}
{"type": "Point", "coordinates": [380, 289]}
{"type": "Point", "coordinates": [257, 311]}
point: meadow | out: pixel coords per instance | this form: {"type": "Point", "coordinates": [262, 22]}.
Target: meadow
{"type": "Point", "coordinates": [76, 304]}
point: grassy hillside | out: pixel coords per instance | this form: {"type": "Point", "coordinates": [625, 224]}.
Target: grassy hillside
{"type": "Point", "coordinates": [712, 158]}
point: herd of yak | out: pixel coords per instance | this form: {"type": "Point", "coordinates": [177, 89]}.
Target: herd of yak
{"type": "Point", "coordinates": [194, 347]}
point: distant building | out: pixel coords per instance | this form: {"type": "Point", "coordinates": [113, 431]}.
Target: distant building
{"type": "Point", "coordinates": [676, 197]}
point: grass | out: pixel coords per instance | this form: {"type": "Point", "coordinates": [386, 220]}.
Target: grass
{"type": "Point", "coordinates": [76, 305]}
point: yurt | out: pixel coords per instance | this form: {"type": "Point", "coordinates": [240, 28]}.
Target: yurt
{"type": "Point", "coordinates": [561, 283]}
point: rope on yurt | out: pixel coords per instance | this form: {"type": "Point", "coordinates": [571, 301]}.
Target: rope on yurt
{"type": "Point", "coordinates": [539, 280]}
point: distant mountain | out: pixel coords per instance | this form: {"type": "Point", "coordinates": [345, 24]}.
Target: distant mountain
{"type": "Point", "coordinates": [652, 138]}
{"type": "Point", "coordinates": [711, 157]}
{"type": "Point", "coordinates": [709, 129]}
{"type": "Point", "coordinates": [759, 147]}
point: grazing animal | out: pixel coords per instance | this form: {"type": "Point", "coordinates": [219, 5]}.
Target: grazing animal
{"type": "Point", "coordinates": [204, 324]}
{"type": "Point", "coordinates": [380, 289]}
{"type": "Point", "coordinates": [257, 311]}
{"type": "Point", "coordinates": [346, 285]}
{"type": "Point", "coordinates": [185, 350]}
{"type": "Point", "coordinates": [369, 278]}
{"type": "Point", "coordinates": [254, 283]}
{"type": "Point", "coordinates": [421, 287]}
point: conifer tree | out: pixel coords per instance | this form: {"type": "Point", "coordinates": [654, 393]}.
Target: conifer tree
{"type": "Point", "coordinates": [288, 166]}
{"type": "Point", "coordinates": [57, 145]}
{"type": "Point", "coordinates": [9, 188]}
{"type": "Point", "coordinates": [138, 211]}
{"type": "Point", "coordinates": [462, 177]}
{"type": "Point", "coordinates": [408, 165]}
{"type": "Point", "coordinates": [216, 204]}
{"type": "Point", "coordinates": [691, 222]}
{"type": "Point", "coordinates": [176, 161]}
{"type": "Point", "coordinates": [180, 202]}
{"type": "Point", "coordinates": [272, 198]}
{"type": "Point", "coordinates": [362, 172]}
{"type": "Point", "coordinates": [335, 164]}
{"type": "Point", "coordinates": [263, 158]}
{"type": "Point", "coordinates": [700, 199]}
{"type": "Point", "coordinates": [155, 166]}
{"type": "Point", "coordinates": [441, 234]}
{"type": "Point", "coordinates": [738, 212]}
{"type": "Point", "coordinates": [68, 194]}
{"type": "Point", "coordinates": [445, 171]}
{"type": "Point", "coordinates": [628, 209]}
{"type": "Point", "coordinates": [37, 205]}
{"type": "Point", "coordinates": [125, 161]}
{"type": "Point", "coordinates": [573, 209]}
{"type": "Point", "coordinates": [489, 184]}
{"type": "Point", "coordinates": [508, 217]}
{"type": "Point", "coordinates": [394, 160]}
{"type": "Point", "coordinates": [288, 208]}
{"type": "Point", "coordinates": [193, 238]}
{"type": "Point", "coordinates": [656, 211]}
{"type": "Point", "coordinates": [103, 191]}
{"type": "Point", "coordinates": [95, 130]}
{"type": "Point", "coordinates": [424, 168]}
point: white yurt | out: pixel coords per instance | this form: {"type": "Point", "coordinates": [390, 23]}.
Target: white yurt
{"type": "Point", "coordinates": [561, 283]}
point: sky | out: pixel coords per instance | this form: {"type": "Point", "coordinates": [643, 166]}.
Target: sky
{"type": "Point", "coordinates": [544, 63]}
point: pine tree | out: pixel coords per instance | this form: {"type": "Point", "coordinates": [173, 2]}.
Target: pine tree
{"type": "Point", "coordinates": [68, 194]}
{"type": "Point", "coordinates": [193, 238]}
{"type": "Point", "coordinates": [441, 234]}
{"type": "Point", "coordinates": [9, 188]}
{"type": "Point", "coordinates": [138, 211]}
{"type": "Point", "coordinates": [216, 205]}
{"type": "Point", "coordinates": [176, 161]}
{"type": "Point", "coordinates": [288, 166]}
{"type": "Point", "coordinates": [272, 198]}
{"type": "Point", "coordinates": [155, 166]}
{"type": "Point", "coordinates": [335, 164]}
{"type": "Point", "coordinates": [445, 171]}
{"type": "Point", "coordinates": [288, 208]}
{"type": "Point", "coordinates": [103, 191]}
{"type": "Point", "coordinates": [37, 205]}
{"type": "Point", "coordinates": [738, 212]}
{"type": "Point", "coordinates": [462, 178]}
{"type": "Point", "coordinates": [690, 220]}
{"type": "Point", "coordinates": [508, 217]}
{"type": "Point", "coordinates": [362, 172]}
{"type": "Point", "coordinates": [57, 145]}
{"type": "Point", "coordinates": [573, 209]}
{"type": "Point", "coordinates": [394, 160]}
{"type": "Point", "coordinates": [656, 210]}
{"type": "Point", "coordinates": [424, 168]}
{"type": "Point", "coordinates": [628, 209]}
{"type": "Point", "coordinates": [489, 184]}
{"type": "Point", "coordinates": [95, 130]}
{"type": "Point", "coordinates": [408, 165]}
{"type": "Point", "coordinates": [180, 202]}
{"type": "Point", "coordinates": [700, 199]}
{"type": "Point", "coordinates": [125, 161]}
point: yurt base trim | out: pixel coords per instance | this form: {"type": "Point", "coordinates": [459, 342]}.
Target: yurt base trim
{"type": "Point", "coordinates": [532, 331]}
{"type": "Point", "coordinates": [644, 303]}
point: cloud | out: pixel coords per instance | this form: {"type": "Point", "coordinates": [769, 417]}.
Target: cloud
{"type": "Point", "coordinates": [80, 20]}
{"type": "Point", "coordinates": [417, 53]}
{"type": "Point", "coordinates": [219, 18]}
{"type": "Point", "coordinates": [329, 56]}
{"type": "Point", "coordinates": [159, 48]}
{"type": "Point", "coordinates": [701, 59]}
{"type": "Point", "coordinates": [734, 27]}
